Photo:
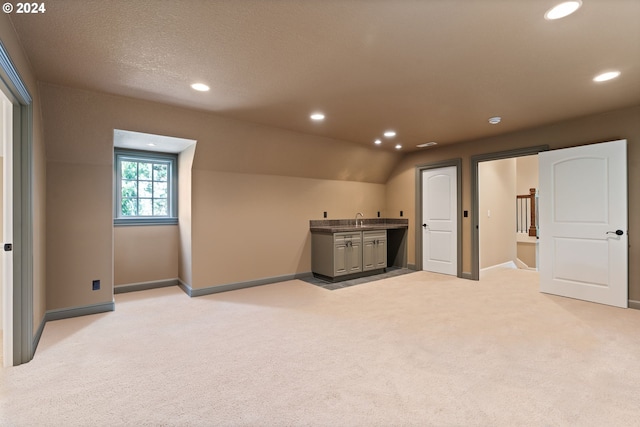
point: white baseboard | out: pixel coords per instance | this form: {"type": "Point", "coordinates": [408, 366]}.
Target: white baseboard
{"type": "Point", "coordinates": [521, 264]}
{"type": "Point", "coordinates": [505, 265]}
{"type": "Point", "coordinates": [509, 264]}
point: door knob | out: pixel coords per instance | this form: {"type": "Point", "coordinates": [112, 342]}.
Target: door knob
{"type": "Point", "coordinates": [617, 232]}
{"type": "Point", "coordinates": [425, 225]}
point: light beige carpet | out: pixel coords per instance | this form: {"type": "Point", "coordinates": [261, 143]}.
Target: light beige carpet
{"type": "Point", "coordinates": [417, 350]}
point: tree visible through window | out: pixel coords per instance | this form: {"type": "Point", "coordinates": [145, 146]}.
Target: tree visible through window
{"type": "Point", "coordinates": [145, 187]}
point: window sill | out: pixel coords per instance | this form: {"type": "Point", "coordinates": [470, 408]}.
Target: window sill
{"type": "Point", "coordinates": [119, 222]}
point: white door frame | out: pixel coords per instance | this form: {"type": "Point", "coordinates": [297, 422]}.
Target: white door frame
{"type": "Point", "coordinates": [11, 84]}
{"type": "Point", "coordinates": [475, 199]}
{"type": "Point", "coordinates": [457, 163]}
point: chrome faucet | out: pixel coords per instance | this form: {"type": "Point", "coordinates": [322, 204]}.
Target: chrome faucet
{"type": "Point", "coordinates": [359, 213]}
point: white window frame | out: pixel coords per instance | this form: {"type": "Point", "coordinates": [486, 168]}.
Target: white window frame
{"type": "Point", "coordinates": [172, 187]}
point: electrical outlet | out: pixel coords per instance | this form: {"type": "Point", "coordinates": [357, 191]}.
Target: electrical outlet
{"type": "Point", "coordinates": [96, 285]}
{"type": "Point", "coordinates": [378, 214]}
{"type": "Point", "coordinates": [325, 214]}
{"type": "Point", "coordinates": [401, 213]}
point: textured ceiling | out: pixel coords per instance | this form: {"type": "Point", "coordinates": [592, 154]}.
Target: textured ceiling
{"type": "Point", "coordinates": [433, 70]}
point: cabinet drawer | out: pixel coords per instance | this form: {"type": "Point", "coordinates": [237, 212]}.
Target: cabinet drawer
{"type": "Point", "coordinates": [345, 237]}
{"type": "Point", "coordinates": [374, 235]}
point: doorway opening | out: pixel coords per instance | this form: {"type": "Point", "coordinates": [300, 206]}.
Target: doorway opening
{"type": "Point", "coordinates": [507, 196]}
{"type": "Point", "coordinates": [481, 215]}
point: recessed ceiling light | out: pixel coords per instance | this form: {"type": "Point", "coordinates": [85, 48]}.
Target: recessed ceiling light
{"type": "Point", "coordinates": [200, 87]}
{"type": "Point", "coordinates": [609, 75]}
{"type": "Point", "coordinates": [151, 144]}
{"type": "Point", "coordinates": [495, 120]}
{"type": "Point", "coordinates": [427, 144]}
{"type": "Point", "coordinates": [317, 117]}
{"type": "Point", "coordinates": [390, 133]}
{"type": "Point", "coordinates": [377, 141]}
{"type": "Point", "coordinates": [398, 146]}
{"type": "Point", "coordinates": [563, 9]}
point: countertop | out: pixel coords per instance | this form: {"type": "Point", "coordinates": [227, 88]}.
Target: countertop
{"type": "Point", "coordinates": [348, 225]}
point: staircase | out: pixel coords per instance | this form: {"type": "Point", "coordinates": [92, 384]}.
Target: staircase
{"type": "Point", "coordinates": [527, 230]}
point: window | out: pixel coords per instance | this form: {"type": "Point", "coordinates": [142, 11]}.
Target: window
{"type": "Point", "coordinates": [145, 187]}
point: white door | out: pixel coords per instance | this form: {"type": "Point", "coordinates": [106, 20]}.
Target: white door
{"type": "Point", "coordinates": [583, 223]}
{"type": "Point", "coordinates": [439, 220]}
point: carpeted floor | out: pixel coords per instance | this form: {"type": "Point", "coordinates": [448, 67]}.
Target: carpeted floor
{"type": "Point", "coordinates": [419, 349]}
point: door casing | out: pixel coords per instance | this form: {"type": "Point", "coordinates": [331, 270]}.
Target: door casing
{"type": "Point", "coordinates": [24, 341]}
{"type": "Point", "coordinates": [457, 163]}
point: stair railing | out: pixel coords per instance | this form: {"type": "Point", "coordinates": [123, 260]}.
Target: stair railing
{"type": "Point", "coordinates": [526, 213]}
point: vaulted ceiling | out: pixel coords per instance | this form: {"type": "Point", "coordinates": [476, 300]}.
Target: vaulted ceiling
{"type": "Point", "coordinates": [432, 70]}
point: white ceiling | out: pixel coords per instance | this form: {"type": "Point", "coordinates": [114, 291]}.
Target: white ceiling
{"type": "Point", "coordinates": [433, 70]}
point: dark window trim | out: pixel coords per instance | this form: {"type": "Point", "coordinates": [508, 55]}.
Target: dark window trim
{"type": "Point", "coordinates": [138, 155]}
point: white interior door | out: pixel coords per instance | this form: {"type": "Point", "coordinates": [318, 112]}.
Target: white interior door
{"type": "Point", "coordinates": [439, 220]}
{"type": "Point", "coordinates": [583, 223]}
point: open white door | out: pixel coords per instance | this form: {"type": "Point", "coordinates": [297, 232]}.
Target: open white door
{"type": "Point", "coordinates": [439, 220]}
{"type": "Point", "coordinates": [583, 223]}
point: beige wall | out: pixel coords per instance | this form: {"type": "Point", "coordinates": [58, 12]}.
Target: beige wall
{"type": "Point", "coordinates": [497, 219]}
{"type": "Point", "coordinates": [249, 226]}
{"type": "Point", "coordinates": [613, 125]}
{"type": "Point", "coordinates": [254, 189]}
{"type": "Point", "coordinates": [145, 254]}
{"type": "Point", "coordinates": [185, 191]}
{"type": "Point", "coordinates": [12, 44]}
{"type": "Point", "coordinates": [79, 234]}
{"type": "Point", "coordinates": [526, 174]}
{"type": "Point", "coordinates": [527, 252]}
